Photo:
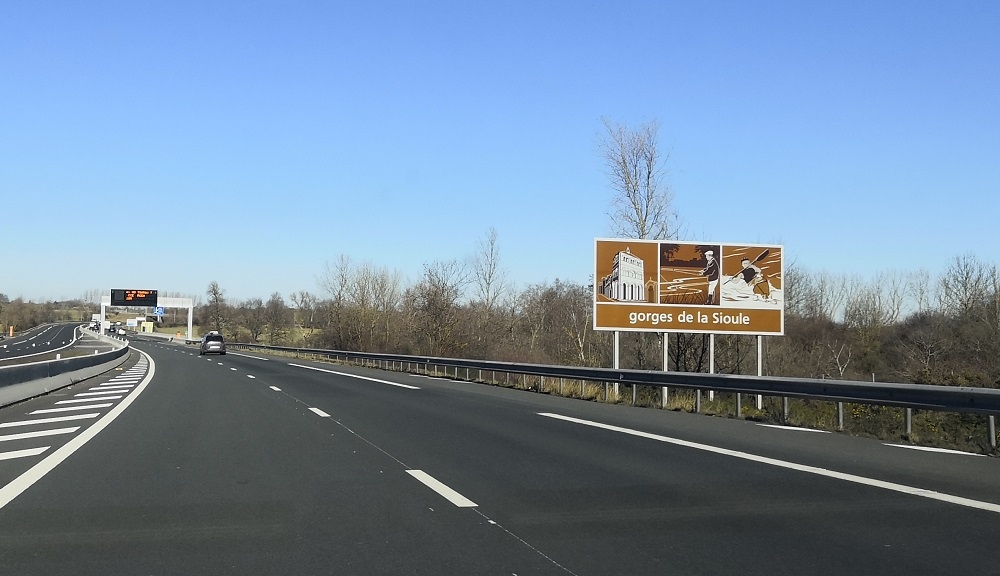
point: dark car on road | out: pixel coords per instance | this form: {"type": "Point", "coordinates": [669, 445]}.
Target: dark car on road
{"type": "Point", "coordinates": [212, 343]}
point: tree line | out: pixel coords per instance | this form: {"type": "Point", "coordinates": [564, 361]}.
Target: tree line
{"type": "Point", "coordinates": [908, 327]}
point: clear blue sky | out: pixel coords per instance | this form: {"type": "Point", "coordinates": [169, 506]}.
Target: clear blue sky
{"type": "Point", "coordinates": [861, 135]}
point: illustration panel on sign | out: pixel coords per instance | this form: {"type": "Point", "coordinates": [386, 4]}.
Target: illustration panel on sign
{"type": "Point", "coordinates": [689, 273]}
{"type": "Point", "coordinates": [752, 278]}
{"type": "Point", "coordinates": [626, 272]}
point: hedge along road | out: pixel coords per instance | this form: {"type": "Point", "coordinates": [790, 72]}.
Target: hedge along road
{"type": "Point", "coordinates": [261, 466]}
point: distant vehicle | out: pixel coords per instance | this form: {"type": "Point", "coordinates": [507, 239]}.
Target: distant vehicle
{"type": "Point", "coordinates": [213, 343]}
{"type": "Point", "coordinates": [121, 331]}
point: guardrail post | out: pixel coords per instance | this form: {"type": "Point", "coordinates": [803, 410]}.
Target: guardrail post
{"type": "Point", "coordinates": [541, 384]}
{"type": "Point", "coordinates": [992, 425]}
{"type": "Point", "coordinates": [634, 387]}
{"type": "Point", "coordinates": [739, 407]}
{"type": "Point", "coordinates": [560, 386]}
{"type": "Point", "coordinates": [909, 422]}
{"type": "Point", "coordinates": [605, 390]}
{"type": "Point", "coordinates": [697, 401]}
{"type": "Point", "coordinates": [663, 396]}
{"type": "Point", "coordinates": [784, 409]}
{"type": "Point", "coordinates": [840, 416]}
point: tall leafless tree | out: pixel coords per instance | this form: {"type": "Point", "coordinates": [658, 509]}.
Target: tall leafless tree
{"type": "Point", "coordinates": [642, 205]}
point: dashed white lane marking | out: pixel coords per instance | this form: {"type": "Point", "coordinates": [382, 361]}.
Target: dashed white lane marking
{"type": "Point", "coordinates": [38, 434]}
{"type": "Point", "coordinates": [407, 386]}
{"type": "Point", "coordinates": [251, 376]}
{"type": "Point", "coordinates": [249, 356]}
{"type": "Point", "coordinates": [319, 413]}
{"type": "Point", "coordinates": [448, 493]}
{"type": "Point", "coordinates": [233, 369]}
{"type": "Point", "coordinates": [950, 498]}
{"type": "Point", "coordinates": [87, 407]}
{"type": "Point", "coordinates": [23, 453]}
{"type": "Point", "coordinates": [938, 450]}
{"type": "Point", "coordinates": [793, 428]}
{"type": "Point", "coordinates": [275, 388]}
{"type": "Point", "coordinates": [50, 420]}
{"type": "Point", "coordinates": [98, 399]}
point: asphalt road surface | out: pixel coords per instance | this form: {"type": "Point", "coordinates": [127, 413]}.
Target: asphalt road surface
{"type": "Point", "coordinates": [237, 464]}
{"type": "Point", "coordinates": [40, 340]}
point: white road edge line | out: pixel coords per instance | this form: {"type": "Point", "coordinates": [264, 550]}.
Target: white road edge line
{"type": "Point", "coordinates": [932, 449]}
{"type": "Point", "coordinates": [319, 413]}
{"type": "Point", "coordinates": [793, 428]}
{"type": "Point", "coordinates": [407, 386]}
{"type": "Point", "coordinates": [951, 499]}
{"type": "Point", "coordinates": [435, 485]}
{"type": "Point", "coordinates": [249, 356]}
{"type": "Point", "coordinates": [36, 472]}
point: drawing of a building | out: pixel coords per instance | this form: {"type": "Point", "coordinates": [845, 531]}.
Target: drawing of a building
{"type": "Point", "coordinates": [625, 283]}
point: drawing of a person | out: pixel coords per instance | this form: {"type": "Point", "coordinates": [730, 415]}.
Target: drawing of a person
{"type": "Point", "coordinates": [754, 278]}
{"type": "Point", "coordinates": [711, 271]}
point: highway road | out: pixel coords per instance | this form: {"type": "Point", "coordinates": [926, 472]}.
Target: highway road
{"type": "Point", "coordinates": [244, 464]}
{"type": "Point", "coordinates": [39, 340]}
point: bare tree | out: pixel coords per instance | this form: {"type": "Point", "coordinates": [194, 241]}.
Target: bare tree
{"type": "Point", "coordinates": [254, 317]}
{"type": "Point", "coordinates": [217, 309]}
{"type": "Point", "coordinates": [434, 306]}
{"type": "Point", "coordinates": [642, 206]}
{"type": "Point", "coordinates": [490, 278]}
{"type": "Point", "coordinates": [279, 319]}
{"type": "Point", "coordinates": [305, 305]}
{"type": "Point", "coordinates": [964, 285]}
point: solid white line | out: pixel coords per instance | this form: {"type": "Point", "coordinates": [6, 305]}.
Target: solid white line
{"type": "Point", "coordinates": [275, 388]}
{"type": "Point", "coordinates": [249, 356]}
{"type": "Point", "coordinates": [794, 428]}
{"type": "Point", "coordinates": [88, 400]}
{"type": "Point", "coordinates": [38, 434]}
{"type": "Point", "coordinates": [938, 450]}
{"type": "Point", "coordinates": [320, 413]}
{"type": "Point", "coordinates": [36, 472]}
{"type": "Point", "coordinates": [87, 407]}
{"type": "Point", "coordinates": [435, 485]}
{"type": "Point", "coordinates": [49, 420]}
{"type": "Point", "coordinates": [23, 453]}
{"type": "Point", "coordinates": [988, 506]}
{"type": "Point", "coordinates": [355, 376]}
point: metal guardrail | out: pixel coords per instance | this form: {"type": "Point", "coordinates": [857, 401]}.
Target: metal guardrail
{"type": "Point", "coordinates": [921, 396]}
